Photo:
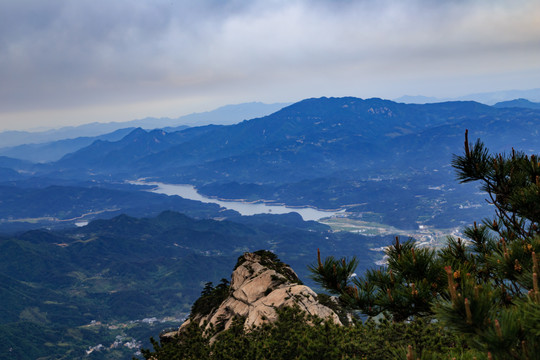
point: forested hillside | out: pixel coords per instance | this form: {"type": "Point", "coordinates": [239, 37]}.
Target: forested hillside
{"type": "Point", "coordinates": [65, 292]}
{"type": "Point", "coordinates": [374, 156]}
{"type": "Point", "coordinates": [475, 298]}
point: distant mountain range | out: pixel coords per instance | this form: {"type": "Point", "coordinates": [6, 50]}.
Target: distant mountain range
{"type": "Point", "coordinates": [309, 139]}
{"type": "Point", "coordinates": [225, 115]}
{"type": "Point", "coordinates": [380, 160]}
{"type": "Point", "coordinates": [55, 150]}
{"type": "Point", "coordinates": [327, 153]}
{"type": "Point", "coordinates": [518, 103]}
{"type": "Point", "coordinates": [488, 98]}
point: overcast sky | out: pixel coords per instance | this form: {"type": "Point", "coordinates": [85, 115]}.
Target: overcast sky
{"type": "Point", "coordinates": [76, 61]}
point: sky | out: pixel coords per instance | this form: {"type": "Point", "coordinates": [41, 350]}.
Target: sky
{"type": "Point", "coordinates": [68, 62]}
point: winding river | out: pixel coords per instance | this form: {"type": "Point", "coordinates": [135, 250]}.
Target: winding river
{"type": "Point", "coordinates": [244, 208]}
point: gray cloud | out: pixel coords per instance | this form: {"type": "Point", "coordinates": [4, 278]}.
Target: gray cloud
{"type": "Point", "coordinates": [94, 53]}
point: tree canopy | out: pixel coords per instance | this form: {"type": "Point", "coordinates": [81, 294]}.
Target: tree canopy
{"type": "Point", "coordinates": [484, 287]}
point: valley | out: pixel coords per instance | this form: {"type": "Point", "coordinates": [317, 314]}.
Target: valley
{"type": "Point", "coordinates": [360, 223]}
{"type": "Point", "coordinates": [116, 271]}
{"type": "Point", "coordinates": [367, 160]}
{"type": "Point", "coordinates": [424, 235]}
{"type": "Point", "coordinates": [87, 248]}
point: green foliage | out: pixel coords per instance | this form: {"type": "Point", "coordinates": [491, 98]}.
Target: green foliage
{"type": "Point", "coordinates": [485, 289]}
{"type": "Point", "coordinates": [496, 297]}
{"type": "Point", "coordinates": [511, 183]}
{"type": "Point", "coordinates": [297, 335]}
{"type": "Point", "coordinates": [211, 298]}
{"type": "Point", "coordinates": [123, 269]}
{"type": "Point", "coordinates": [334, 274]}
{"type": "Point", "coordinates": [405, 288]}
{"type": "Point", "coordinates": [190, 344]}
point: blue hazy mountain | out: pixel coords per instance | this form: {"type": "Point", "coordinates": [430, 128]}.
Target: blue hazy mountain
{"type": "Point", "coordinates": [518, 103]}
{"type": "Point", "coordinates": [135, 146]}
{"type": "Point", "coordinates": [488, 98]}
{"type": "Point", "coordinates": [315, 137]}
{"type": "Point", "coordinates": [229, 114]}
{"type": "Point", "coordinates": [55, 150]}
{"type": "Point", "coordinates": [330, 153]}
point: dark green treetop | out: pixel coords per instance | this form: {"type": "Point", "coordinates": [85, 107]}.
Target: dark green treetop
{"type": "Point", "coordinates": [484, 287]}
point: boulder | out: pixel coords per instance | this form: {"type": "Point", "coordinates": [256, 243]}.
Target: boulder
{"type": "Point", "coordinates": [260, 284]}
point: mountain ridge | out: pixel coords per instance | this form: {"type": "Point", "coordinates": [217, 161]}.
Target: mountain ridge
{"type": "Point", "coordinates": [523, 103]}
{"type": "Point", "coordinates": [488, 98]}
{"type": "Point", "coordinates": [334, 131]}
{"type": "Point", "coordinates": [227, 114]}
{"type": "Point", "coordinates": [329, 150]}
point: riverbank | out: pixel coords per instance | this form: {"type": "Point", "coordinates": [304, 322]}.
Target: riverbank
{"type": "Point", "coordinates": [242, 206]}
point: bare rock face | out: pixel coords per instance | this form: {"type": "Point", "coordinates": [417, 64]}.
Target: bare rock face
{"type": "Point", "coordinates": [259, 285]}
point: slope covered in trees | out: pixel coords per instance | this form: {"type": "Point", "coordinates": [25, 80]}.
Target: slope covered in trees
{"type": "Point", "coordinates": [366, 156]}
{"type": "Point", "coordinates": [477, 297]}
{"type": "Point", "coordinates": [63, 292]}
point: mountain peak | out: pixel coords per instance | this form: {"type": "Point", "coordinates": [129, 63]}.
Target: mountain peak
{"type": "Point", "coordinates": [260, 284]}
{"type": "Point", "coordinates": [136, 133]}
{"type": "Point", "coordinates": [518, 103]}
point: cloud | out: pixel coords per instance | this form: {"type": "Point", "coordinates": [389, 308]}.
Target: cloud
{"type": "Point", "coordinates": [68, 54]}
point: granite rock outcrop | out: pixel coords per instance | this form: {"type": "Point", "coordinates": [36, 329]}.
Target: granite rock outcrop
{"type": "Point", "coordinates": [260, 284]}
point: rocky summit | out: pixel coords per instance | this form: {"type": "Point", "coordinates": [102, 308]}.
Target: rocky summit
{"type": "Point", "coordinates": [260, 284]}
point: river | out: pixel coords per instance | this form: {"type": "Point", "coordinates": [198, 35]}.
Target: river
{"type": "Point", "coordinates": [244, 208]}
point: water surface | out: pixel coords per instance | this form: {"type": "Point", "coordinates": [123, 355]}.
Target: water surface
{"type": "Point", "coordinates": [244, 208]}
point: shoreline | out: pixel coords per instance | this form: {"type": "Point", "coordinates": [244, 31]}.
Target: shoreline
{"type": "Point", "coordinates": [265, 202]}
{"type": "Point", "coordinates": [156, 185]}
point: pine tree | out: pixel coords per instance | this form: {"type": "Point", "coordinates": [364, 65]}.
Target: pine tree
{"type": "Point", "coordinates": [484, 288]}
{"type": "Point", "coordinates": [495, 300]}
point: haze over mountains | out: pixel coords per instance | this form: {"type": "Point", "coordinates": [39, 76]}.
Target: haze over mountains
{"type": "Point", "coordinates": [368, 156]}
{"type": "Point", "coordinates": [51, 145]}
{"type": "Point", "coordinates": [329, 131]}
{"type": "Point", "coordinates": [518, 103]}
{"type": "Point", "coordinates": [383, 162]}
{"type": "Point", "coordinates": [488, 98]}
{"type": "Point", "coordinates": [228, 114]}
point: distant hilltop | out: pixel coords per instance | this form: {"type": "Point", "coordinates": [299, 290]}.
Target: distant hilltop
{"type": "Point", "coordinates": [225, 115]}
{"type": "Point", "coordinates": [518, 103]}
{"type": "Point", "coordinates": [488, 98]}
